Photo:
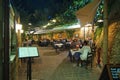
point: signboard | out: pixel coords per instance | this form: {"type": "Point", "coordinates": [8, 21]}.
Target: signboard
{"type": "Point", "coordinates": [114, 71]}
{"type": "Point", "coordinates": [110, 72]}
{"type": "Point", "coordinates": [25, 52]}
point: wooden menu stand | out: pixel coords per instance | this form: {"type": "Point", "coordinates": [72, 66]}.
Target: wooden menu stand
{"type": "Point", "coordinates": [28, 52]}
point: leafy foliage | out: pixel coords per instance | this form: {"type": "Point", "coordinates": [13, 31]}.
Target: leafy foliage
{"type": "Point", "coordinates": [69, 17]}
{"type": "Point", "coordinates": [99, 13]}
{"type": "Point", "coordinates": [70, 33]}
{"type": "Point", "coordinates": [98, 32]}
{"type": "Point", "coordinates": [64, 13]}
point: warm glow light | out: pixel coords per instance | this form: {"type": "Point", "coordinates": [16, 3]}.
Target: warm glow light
{"type": "Point", "coordinates": [100, 20]}
{"type": "Point", "coordinates": [21, 31]}
{"type": "Point", "coordinates": [74, 26]}
{"type": "Point", "coordinates": [31, 32]}
{"type": "Point", "coordinates": [44, 26]}
{"type": "Point", "coordinates": [18, 27]}
{"type": "Point", "coordinates": [48, 24]}
{"type": "Point", "coordinates": [53, 20]}
{"type": "Point", "coordinates": [84, 28]}
{"type": "Point", "coordinates": [87, 25]}
{"type": "Point", "coordinates": [29, 23]}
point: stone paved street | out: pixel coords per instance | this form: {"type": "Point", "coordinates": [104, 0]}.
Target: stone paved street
{"type": "Point", "coordinates": [56, 66]}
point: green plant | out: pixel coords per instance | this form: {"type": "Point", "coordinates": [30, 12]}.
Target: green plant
{"type": "Point", "coordinates": [98, 32]}
{"type": "Point", "coordinates": [70, 33]}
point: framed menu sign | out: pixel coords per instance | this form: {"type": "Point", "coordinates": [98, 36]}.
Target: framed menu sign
{"type": "Point", "coordinates": [28, 52]}
{"type": "Point", "coordinates": [110, 72]}
{"type": "Point", "coordinates": [25, 52]}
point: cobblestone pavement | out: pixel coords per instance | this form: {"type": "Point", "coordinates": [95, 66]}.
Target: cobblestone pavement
{"type": "Point", "coordinates": [56, 66]}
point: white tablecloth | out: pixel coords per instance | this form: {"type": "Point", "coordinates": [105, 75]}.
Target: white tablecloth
{"type": "Point", "coordinates": [74, 51]}
{"type": "Point", "coordinates": [59, 44]}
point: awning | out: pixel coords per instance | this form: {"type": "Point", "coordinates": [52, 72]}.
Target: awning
{"type": "Point", "coordinates": [42, 31]}
{"type": "Point", "coordinates": [74, 26]}
{"type": "Point", "coordinates": [87, 13]}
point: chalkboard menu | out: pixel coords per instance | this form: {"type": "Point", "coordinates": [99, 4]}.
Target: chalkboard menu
{"type": "Point", "coordinates": [115, 71]}
{"type": "Point", "coordinates": [110, 72]}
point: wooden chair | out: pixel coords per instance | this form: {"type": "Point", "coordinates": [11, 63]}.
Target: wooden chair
{"type": "Point", "coordinates": [88, 60]}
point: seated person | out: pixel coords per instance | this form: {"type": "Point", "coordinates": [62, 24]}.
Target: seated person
{"type": "Point", "coordinates": [72, 53]}
{"type": "Point", "coordinates": [85, 50]}
{"type": "Point", "coordinates": [76, 48]}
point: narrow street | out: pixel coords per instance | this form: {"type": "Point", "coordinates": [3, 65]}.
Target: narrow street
{"type": "Point", "coordinates": [56, 66]}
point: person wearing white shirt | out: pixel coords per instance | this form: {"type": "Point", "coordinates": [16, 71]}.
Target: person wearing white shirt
{"type": "Point", "coordinates": [84, 52]}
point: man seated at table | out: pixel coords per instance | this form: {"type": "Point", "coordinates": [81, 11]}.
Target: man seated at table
{"type": "Point", "coordinates": [84, 51]}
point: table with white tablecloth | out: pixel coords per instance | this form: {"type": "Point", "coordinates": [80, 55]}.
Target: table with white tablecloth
{"type": "Point", "coordinates": [74, 53]}
{"type": "Point", "coordinates": [59, 45]}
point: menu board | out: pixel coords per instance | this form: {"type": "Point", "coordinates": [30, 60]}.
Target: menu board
{"type": "Point", "coordinates": [28, 52]}
{"type": "Point", "coordinates": [110, 72]}
{"type": "Point", "coordinates": [114, 71]}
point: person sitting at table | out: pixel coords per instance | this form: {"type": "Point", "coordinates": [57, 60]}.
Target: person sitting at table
{"type": "Point", "coordinates": [84, 51]}
{"type": "Point", "coordinates": [72, 52]}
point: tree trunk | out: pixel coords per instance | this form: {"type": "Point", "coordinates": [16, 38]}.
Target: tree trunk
{"type": "Point", "coordinates": [105, 36]}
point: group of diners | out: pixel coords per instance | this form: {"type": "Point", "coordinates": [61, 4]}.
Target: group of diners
{"type": "Point", "coordinates": [69, 43]}
{"type": "Point", "coordinates": [77, 49]}
{"type": "Point", "coordinates": [66, 43]}
{"type": "Point", "coordinates": [79, 52]}
{"type": "Point", "coordinates": [62, 44]}
{"type": "Point", "coordinates": [43, 42]}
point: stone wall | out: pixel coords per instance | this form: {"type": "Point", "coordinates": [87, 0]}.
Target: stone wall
{"type": "Point", "coordinates": [114, 31]}
{"type": "Point", "coordinates": [115, 43]}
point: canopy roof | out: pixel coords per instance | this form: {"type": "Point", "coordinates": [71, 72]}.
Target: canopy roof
{"type": "Point", "coordinates": [74, 26]}
{"type": "Point", "coordinates": [87, 13]}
